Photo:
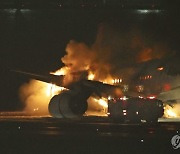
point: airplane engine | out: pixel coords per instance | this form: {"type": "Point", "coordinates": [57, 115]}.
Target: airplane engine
{"type": "Point", "coordinates": [67, 105]}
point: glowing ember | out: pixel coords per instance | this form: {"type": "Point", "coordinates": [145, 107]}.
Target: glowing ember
{"type": "Point", "coordinates": [116, 81]}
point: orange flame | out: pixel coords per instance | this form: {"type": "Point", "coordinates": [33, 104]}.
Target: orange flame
{"type": "Point", "coordinates": [61, 71]}
{"type": "Point", "coordinates": [52, 89]}
{"type": "Point", "coordinates": [91, 76]}
{"type": "Point", "coordinates": [170, 112]}
{"type": "Point", "coordinates": [102, 101]}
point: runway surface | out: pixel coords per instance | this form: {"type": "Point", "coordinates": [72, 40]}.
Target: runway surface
{"type": "Point", "coordinates": [43, 134]}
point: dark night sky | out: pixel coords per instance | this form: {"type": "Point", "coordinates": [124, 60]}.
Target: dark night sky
{"type": "Point", "coordinates": [35, 40]}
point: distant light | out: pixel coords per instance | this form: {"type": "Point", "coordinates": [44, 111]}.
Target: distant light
{"type": "Point", "coordinates": [123, 98]}
{"type": "Point", "coordinates": [137, 112]}
{"type": "Point", "coordinates": [142, 140]}
{"type": "Point", "coordinates": [167, 87]}
{"type": "Point", "coordinates": [25, 10]}
{"type": "Point", "coordinates": [124, 111]}
{"type": "Point", "coordinates": [140, 88]}
{"type": "Point", "coordinates": [11, 11]}
{"type": "Point", "coordinates": [125, 88]}
{"type": "Point", "coordinates": [140, 97]}
{"type": "Point", "coordinates": [148, 11]}
{"type": "Point", "coordinates": [143, 11]}
{"type": "Point", "coordinates": [151, 97]}
{"type": "Point", "coordinates": [160, 68]}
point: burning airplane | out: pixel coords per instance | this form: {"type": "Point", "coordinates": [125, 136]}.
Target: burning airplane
{"type": "Point", "coordinates": [109, 67]}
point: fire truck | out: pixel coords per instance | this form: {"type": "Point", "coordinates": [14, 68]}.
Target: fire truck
{"type": "Point", "coordinates": [136, 109]}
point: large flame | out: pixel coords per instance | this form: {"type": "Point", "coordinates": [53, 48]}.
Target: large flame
{"type": "Point", "coordinates": [172, 111]}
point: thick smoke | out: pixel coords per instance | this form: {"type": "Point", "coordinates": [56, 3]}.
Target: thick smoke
{"type": "Point", "coordinates": [34, 94]}
{"type": "Point", "coordinates": [114, 53]}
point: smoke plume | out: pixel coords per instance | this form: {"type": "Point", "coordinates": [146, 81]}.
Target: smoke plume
{"type": "Point", "coordinates": [114, 53]}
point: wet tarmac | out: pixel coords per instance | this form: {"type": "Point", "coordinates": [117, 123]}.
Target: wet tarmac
{"type": "Point", "coordinates": [44, 134]}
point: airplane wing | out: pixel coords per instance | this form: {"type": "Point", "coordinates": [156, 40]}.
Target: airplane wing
{"type": "Point", "coordinates": [50, 78]}
{"type": "Point", "coordinates": [96, 87]}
